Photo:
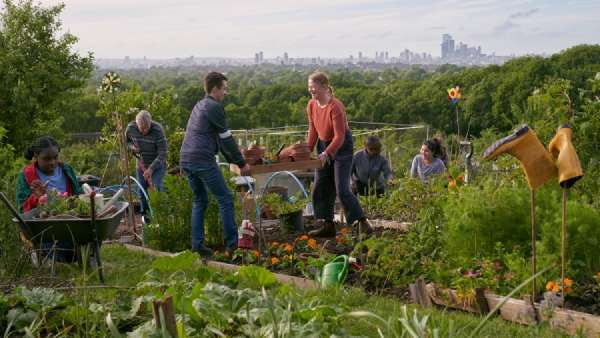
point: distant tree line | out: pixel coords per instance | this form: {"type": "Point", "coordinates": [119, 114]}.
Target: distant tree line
{"type": "Point", "coordinates": [48, 89]}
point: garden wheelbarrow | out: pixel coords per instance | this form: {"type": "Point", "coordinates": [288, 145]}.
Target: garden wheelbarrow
{"type": "Point", "coordinates": [80, 231]}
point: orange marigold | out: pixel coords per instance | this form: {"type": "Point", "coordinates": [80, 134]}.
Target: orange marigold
{"type": "Point", "coordinates": [550, 285]}
{"type": "Point", "coordinates": [598, 274]}
{"type": "Point", "coordinates": [256, 253]}
{"type": "Point", "coordinates": [568, 290]}
{"type": "Point", "coordinates": [344, 230]}
{"type": "Point", "coordinates": [275, 261]}
{"type": "Point", "coordinates": [305, 238]}
{"type": "Point", "coordinates": [556, 288]}
{"type": "Point", "coordinates": [568, 282]}
{"type": "Point", "coordinates": [339, 239]}
{"type": "Point", "coordinates": [288, 248]}
{"type": "Point", "coordinates": [274, 244]}
{"type": "Point", "coordinates": [312, 243]}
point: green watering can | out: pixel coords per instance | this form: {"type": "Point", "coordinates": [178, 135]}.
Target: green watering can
{"type": "Point", "coordinates": [335, 272]}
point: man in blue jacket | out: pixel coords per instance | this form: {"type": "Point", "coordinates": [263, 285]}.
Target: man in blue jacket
{"type": "Point", "coordinates": [206, 134]}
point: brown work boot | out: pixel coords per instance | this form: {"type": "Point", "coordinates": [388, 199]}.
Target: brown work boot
{"type": "Point", "coordinates": [327, 229]}
{"type": "Point", "coordinates": [535, 160]}
{"type": "Point", "coordinates": [569, 168]}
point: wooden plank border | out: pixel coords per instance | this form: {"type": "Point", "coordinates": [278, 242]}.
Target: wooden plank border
{"type": "Point", "coordinates": [302, 283]}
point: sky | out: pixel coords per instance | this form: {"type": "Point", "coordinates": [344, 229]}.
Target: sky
{"type": "Point", "coordinates": [332, 28]}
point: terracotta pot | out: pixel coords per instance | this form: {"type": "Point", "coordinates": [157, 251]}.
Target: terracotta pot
{"type": "Point", "coordinates": [295, 152]}
{"type": "Point", "coordinates": [253, 154]}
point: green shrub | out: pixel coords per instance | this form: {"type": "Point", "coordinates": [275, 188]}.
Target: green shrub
{"type": "Point", "coordinates": [11, 247]}
{"type": "Point", "coordinates": [171, 222]}
{"type": "Point", "coordinates": [174, 144]}
{"type": "Point", "coordinates": [477, 217]}
{"type": "Point", "coordinates": [97, 158]}
{"type": "Point", "coordinates": [583, 235]}
{"type": "Point", "coordinates": [171, 226]}
{"type": "Point", "coordinates": [403, 203]}
{"type": "Point", "coordinates": [394, 259]}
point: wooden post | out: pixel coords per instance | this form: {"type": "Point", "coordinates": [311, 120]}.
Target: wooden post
{"type": "Point", "coordinates": [530, 309]}
{"type": "Point", "coordinates": [130, 219]}
{"type": "Point", "coordinates": [418, 293]}
{"type": "Point", "coordinates": [533, 239]}
{"type": "Point", "coordinates": [481, 301]}
{"type": "Point", "coordinates": [166, 310]}
{"type": "Point", "coordinates": [562, 245]}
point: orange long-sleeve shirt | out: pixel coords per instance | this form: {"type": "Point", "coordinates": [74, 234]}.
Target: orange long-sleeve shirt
{"type": "Point", "coordinates": [328, 123]}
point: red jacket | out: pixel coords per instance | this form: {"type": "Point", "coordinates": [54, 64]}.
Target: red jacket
{"type": "Point", "coordinates": [26, 199]}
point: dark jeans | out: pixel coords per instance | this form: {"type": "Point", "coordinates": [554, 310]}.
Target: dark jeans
{"type": "Point", "coordinates": [157, 183]}
{"type": "Point", "coordinates": [365, 190]}
{"type": "Point", "coordinates": [335, 176]}
{"type": "Point", "coordinates": [204, 177]}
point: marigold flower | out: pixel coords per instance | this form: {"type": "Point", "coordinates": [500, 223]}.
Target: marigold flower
{"type": "Point", "coordinates": [568, 282]}
{"type": "Point", "coordinates": [598, 274]}
{"type": "Point", "coordinates": [274, 244]}
{"type": "Point", "coordinates": [550, 285]}
{"type": "Point", "coordinates": [556, 288]}
{"type": "Point", "coordinates": [288, 248]}
{"type": "Point", "coordinates": [275, 261]}
{"type": "Point", "coordinates": [339, 239]}
{"type": "Point", "coordinates": [568, 290]}
{"type": "Point", "coordinates": [303, 238]}
{"type": "Point", "coordinates": [312, 243]}
{"type": "Point", "coordinates": [256, 253]}
{"type": "Point", "coordinates": [344, 230]}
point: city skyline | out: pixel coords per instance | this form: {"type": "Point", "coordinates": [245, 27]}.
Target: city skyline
{"type": "Point", "coordinates": [337, 29]}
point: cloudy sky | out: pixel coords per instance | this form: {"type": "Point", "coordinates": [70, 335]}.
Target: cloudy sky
{"type": "Point", "coordinates": [332, 28]}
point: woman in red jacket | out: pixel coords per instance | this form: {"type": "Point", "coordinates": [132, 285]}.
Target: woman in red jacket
{"type": "Point", "coordinates": [328, 129]}
{"type": "Point", "coordinates": [45, 172]}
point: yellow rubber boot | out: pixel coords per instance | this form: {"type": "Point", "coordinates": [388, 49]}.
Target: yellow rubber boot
{"type": "Point", "coordinates": [527, 148]}
{"type": "Point", "coordinates": [561, 146]}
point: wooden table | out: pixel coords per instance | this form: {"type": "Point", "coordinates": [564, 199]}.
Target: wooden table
{"type": "Point", "coordinates": [280, 166]}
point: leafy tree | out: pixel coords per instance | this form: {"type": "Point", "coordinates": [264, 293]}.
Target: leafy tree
{"type": "Point", "coordinates": [40, 75]}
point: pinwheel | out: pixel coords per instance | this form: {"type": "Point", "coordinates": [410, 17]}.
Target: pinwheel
{"type": "Point", "coordinates": [111, 82]}
{"type": "Point", "coordinates": [454, 94]}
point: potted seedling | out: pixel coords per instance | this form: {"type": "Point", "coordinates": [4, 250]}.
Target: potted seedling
{"type": "Point", "coordinates": [288, 210]}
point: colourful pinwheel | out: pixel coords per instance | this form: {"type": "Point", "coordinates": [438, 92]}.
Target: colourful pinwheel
{"type": "Point", "coordinates": [454, 94]}
{"type": "Point", "coordinates": [111, 82]}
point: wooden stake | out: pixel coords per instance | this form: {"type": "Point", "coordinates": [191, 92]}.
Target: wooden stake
{"type": "Point", "coordinates": [533, 239]}
{"type": "Point", "coordinates": [562, 245]}
{"type": "Point", "coordinates": [168, 314]}
{"type": "Point", "coordinates": [125, 171]}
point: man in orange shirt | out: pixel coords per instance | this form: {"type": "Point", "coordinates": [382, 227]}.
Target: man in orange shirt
{"type": "Point", "coordinates": [328, 129]}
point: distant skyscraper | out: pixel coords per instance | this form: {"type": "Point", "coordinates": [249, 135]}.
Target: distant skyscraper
{"type": "Point", "coordinates": [256, 58]}
{"type": "Point", "coordinates": [261, 57]}
{"type": "Point", "coordinates": [285, 58]}
{"type": "Point", "coordinates": [447, 46]}
{"type": "Point", "coordinates": [360, 56]}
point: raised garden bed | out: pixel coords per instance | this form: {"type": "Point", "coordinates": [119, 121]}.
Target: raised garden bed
{"type": "Point", "coordinates": [518, 311]}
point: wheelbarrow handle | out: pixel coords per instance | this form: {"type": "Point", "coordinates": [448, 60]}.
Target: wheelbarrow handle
{"type": "Point", "coordinates": [13, 210]}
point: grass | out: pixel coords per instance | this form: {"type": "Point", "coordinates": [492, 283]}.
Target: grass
{"type": "Point", "coordinates": [356, 299]}
{"type": "Point", "coordinates": [124, 268]}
